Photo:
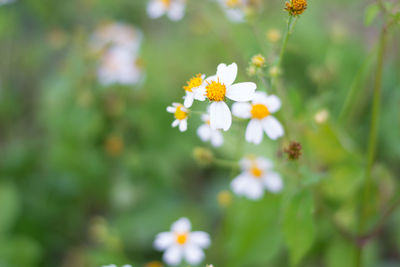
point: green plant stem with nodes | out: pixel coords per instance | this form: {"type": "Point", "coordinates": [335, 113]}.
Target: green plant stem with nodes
{"type": "Point", "coordinates": [373, 133]}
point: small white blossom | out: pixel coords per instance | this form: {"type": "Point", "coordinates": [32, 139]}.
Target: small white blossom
{"type": "Point", "coordinates": [218, 87]}
{"type": "Point", "coordinates": [180, 243]}
{"type": "Point", "coordinates": [234, 9]}
{"type": "Point", "coordinates": [180, 114]}
{"type": "Point", "coordinates": [174, 9]}
{"type": "Point", "coordinates": [259, 111]}
{"type": "Point", "coordinates": [256, 176]}
{"type": "Point", "coordinates": [206, 133]}
{"type": "Point", "coordinates": [191, 89]}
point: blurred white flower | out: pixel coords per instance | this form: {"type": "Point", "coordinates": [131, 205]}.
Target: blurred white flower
{"type": "Point", "coordinates": [180, 114]}
{"type": "Point", "coordinates": [207, 134]}
{"type": "Point", "coordinates": [118, 65]}
{"type": "Point", "coordinates": [234, 9]}
{"type": "Point", "coordinates": [321, 116]}
{"type": "Point", "coordinates": [256, 176]}
{"type": "Point", "coordinates": [218, 87]}
{"type": "Point", "coordinates": [174, 9]}
{"type": "Point", "coordinates": [191, 87]}
{"type": "Point", "coordinates": [119, 46]}
{"type": "Point", "coordinates": [260, 111]}
{"type": "Point", "coordinates": [180, 243]}
{"type": "Point", "coordinates": [3, 2]}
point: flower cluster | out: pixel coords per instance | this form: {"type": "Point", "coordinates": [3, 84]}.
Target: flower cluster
{"type": "Point", "coordinates": [296, 7]}
{"type": "Point", "coordinates": [174, 9]}
{"type": "Point", "coordinates": [118, 45]}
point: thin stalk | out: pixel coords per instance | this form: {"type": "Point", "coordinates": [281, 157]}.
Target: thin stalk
{"type": "Point", "coordinates": [373, 133]}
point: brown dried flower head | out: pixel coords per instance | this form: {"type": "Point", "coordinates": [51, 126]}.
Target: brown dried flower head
{"type": "Point", "coordinates": [293, 150]}
{"type": "Point", "coordinates": [296, 7]}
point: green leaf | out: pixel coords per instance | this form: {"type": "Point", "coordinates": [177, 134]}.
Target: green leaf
{"type": "Point", "coordinates": [298, 226]}
{"type": "Point", "coordinates": [9, 206]}
{"type": "Point", "coordinates": [370, 13]}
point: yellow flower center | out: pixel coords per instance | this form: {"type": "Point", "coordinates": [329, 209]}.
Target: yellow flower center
{"type": "Point", "coordinates": [232, 3]}
{"type": "Point", "coordinates": [256, 172]}
{"type": "Point", "coordinates": [194, 82]}
{"type": "Point", "coordinates": [181, 239]}
{"type": "Point", "coordinates": [180, 114]}
{"type": "Point", "coordinates": [166, 3]}
{"type": "Point", "coordinates": [259, 111]}
{"type": "Point", "coordinates": [216, 91]}
{"type": "Point", "coordinates": [296, 7]}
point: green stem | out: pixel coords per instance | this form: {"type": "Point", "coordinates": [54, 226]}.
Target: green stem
{"type": "Point", "coordinates": [372, 140]}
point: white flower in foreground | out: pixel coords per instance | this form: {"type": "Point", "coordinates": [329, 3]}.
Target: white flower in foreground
{"type": "Point", "coordinates": [180, 243]}
{"type": "Point", "coordinates": [180, 114]}
{"type": "Point", "coordinates": [260, 111]}
{"type": "Point", "coordinates": [256, 176]}
{"type": "Point", "coordinates": [174, 9]}
{"type": "Point", "coordinates": [191, 88]}
{"type": "Point", "coordinates": [118, 65]}
{"type": "Point", "coordinates": [218, 87]}
{"type": "Point", "coordinates": [207, 134]}
{"type": "Point", "coordinates": [234, 9]}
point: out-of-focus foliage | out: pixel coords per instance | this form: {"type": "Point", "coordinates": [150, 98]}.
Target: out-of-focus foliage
{"type": "Point", "coordinates": [89, 174]}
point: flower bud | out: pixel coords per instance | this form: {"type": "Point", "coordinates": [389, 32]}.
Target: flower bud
{"type": "Point", "coordinates": [296, 7]}
{"type": "Point", "coordinates": [258, 61]}
{"type": "Point", "coordinates": [294, 150]}
{"type": "Point", "coordinates": [203, 156]}
{"type": "Point", "coordinates": [224, 198]}
{"type": "Point", "coordinates": [274, 35]}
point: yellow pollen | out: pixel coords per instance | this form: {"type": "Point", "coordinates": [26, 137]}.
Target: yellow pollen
{"type": "Point", "coordinates": [216, 91]}
{"type": "Point", "coordinates": [259, 111]}
{"type": "Point", "coordinates": [181, 238]}
{"type": "Point", "coordinates": [166, 3]}
{"type": "Point", "coordinates": [208, 122]}
{"type": "Point", "coordinates": [180, 114]}
{"type": "Point", "coordinates": [194, 82]}
{"type": "Point", "coordinates": [256, 172]}
{"type": "Point", "coordinates": [232, 3]}
{"type": "Point", "coordinates": [296, 7]}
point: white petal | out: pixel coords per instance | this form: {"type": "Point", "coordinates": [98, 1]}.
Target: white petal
{"type": "Point", "coordinates": [217, 139]}
{"type": "Point", "coordinates": [220, 116]}
{"type": "Point", "coordinates": [211, 79]}
{"type": "Point", "coordinates": [273, 182]}
{"type": "Point", "coordinates": [204, 132]}
{"type": "Point", "coordinates": [175, 123]}
{"type": "Point", "coordinates": [183, 125]}
{"type": "Point", "coordinates": [199, 238]}
{"type": "Point", "coordinates": [264, 163]}
{"type": "Point", "coordinates": [273, 103]}
{"type": "Point", "coordinates": [200, 93]}
{"type": "Point", "coordinates": [241, 92]}
{"type": "Point", "coordinates": [235, 15]}
{"type": "Point", "coordinates": [241, 110]}
{"type": "Point", "coordinates": [164, 240]}
{"type": "Point", "coordinates": [176, 11]}
{"type": "Point", "coordinates": [181, 226]}
{"type": "Point", "coordinates": [260, 98]}
{"type": "Point", "coordinates": [193, 254]}
{"type": "Point", "coordinates": [272, 127]}
{"type": "Point", "coordinates": [238, 184]}
{"type": "Point", "coordinates": [173, 255]}
{"type": "Point", "coordinates": [155, 9]}
{"type": "Point", "coordinates": [254, 132]}
{"type": "Point", "coordinates": [246, 163]}
{"type": "Point", "coordinates": [171, 109]}
{"type": "Point", "coordinates": [254, 189]}
{"type": "Point", "coordinates": [205, 117]}
{"type": "Point", "coordinates": [189, 97]}
{"type": "Point", "coordinates": [227, 74]}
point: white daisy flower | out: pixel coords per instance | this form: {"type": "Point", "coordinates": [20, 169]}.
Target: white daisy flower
{"type": "Point", "coordinates": [118, 65]}
{"type": "Point", "coordinates": [260, 111]}
{"type": "Point", "coordinates": [234, 9]}
{"type": "Point", "coordinates": [180, 114]}
{"type": "Point", "coordinates": [192, 85]}
{"type": "Point", "coordinates": [174, 9]}
{"type": "Point", "coordinates": [218, 87]}
{"type": "Point", "coordinates": [256, 176]}
{"type": "Point", "coordinates": [180, 243]}
{"type": "Point", "coordinates": [207, 134]}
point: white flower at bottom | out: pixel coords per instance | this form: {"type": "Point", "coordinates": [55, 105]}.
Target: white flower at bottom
{"type": "Point", "coordinates": [218, 87]}
{"type": "Point", "coordinates": [206, 133]}
{"type": "Point", "coordinates": [175, 9]}
{"type": "Point", "coordinates": [180, 243]}
{"type": "Point", "coordinates": [256, 176]}
{"type": "Point", "coordinates": [260, 111]}
{"type": "Point", "coordinates": [180, 114]}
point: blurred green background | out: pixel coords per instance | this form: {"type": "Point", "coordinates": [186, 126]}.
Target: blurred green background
{"type": "Point", "coordinates": [89, 174]}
